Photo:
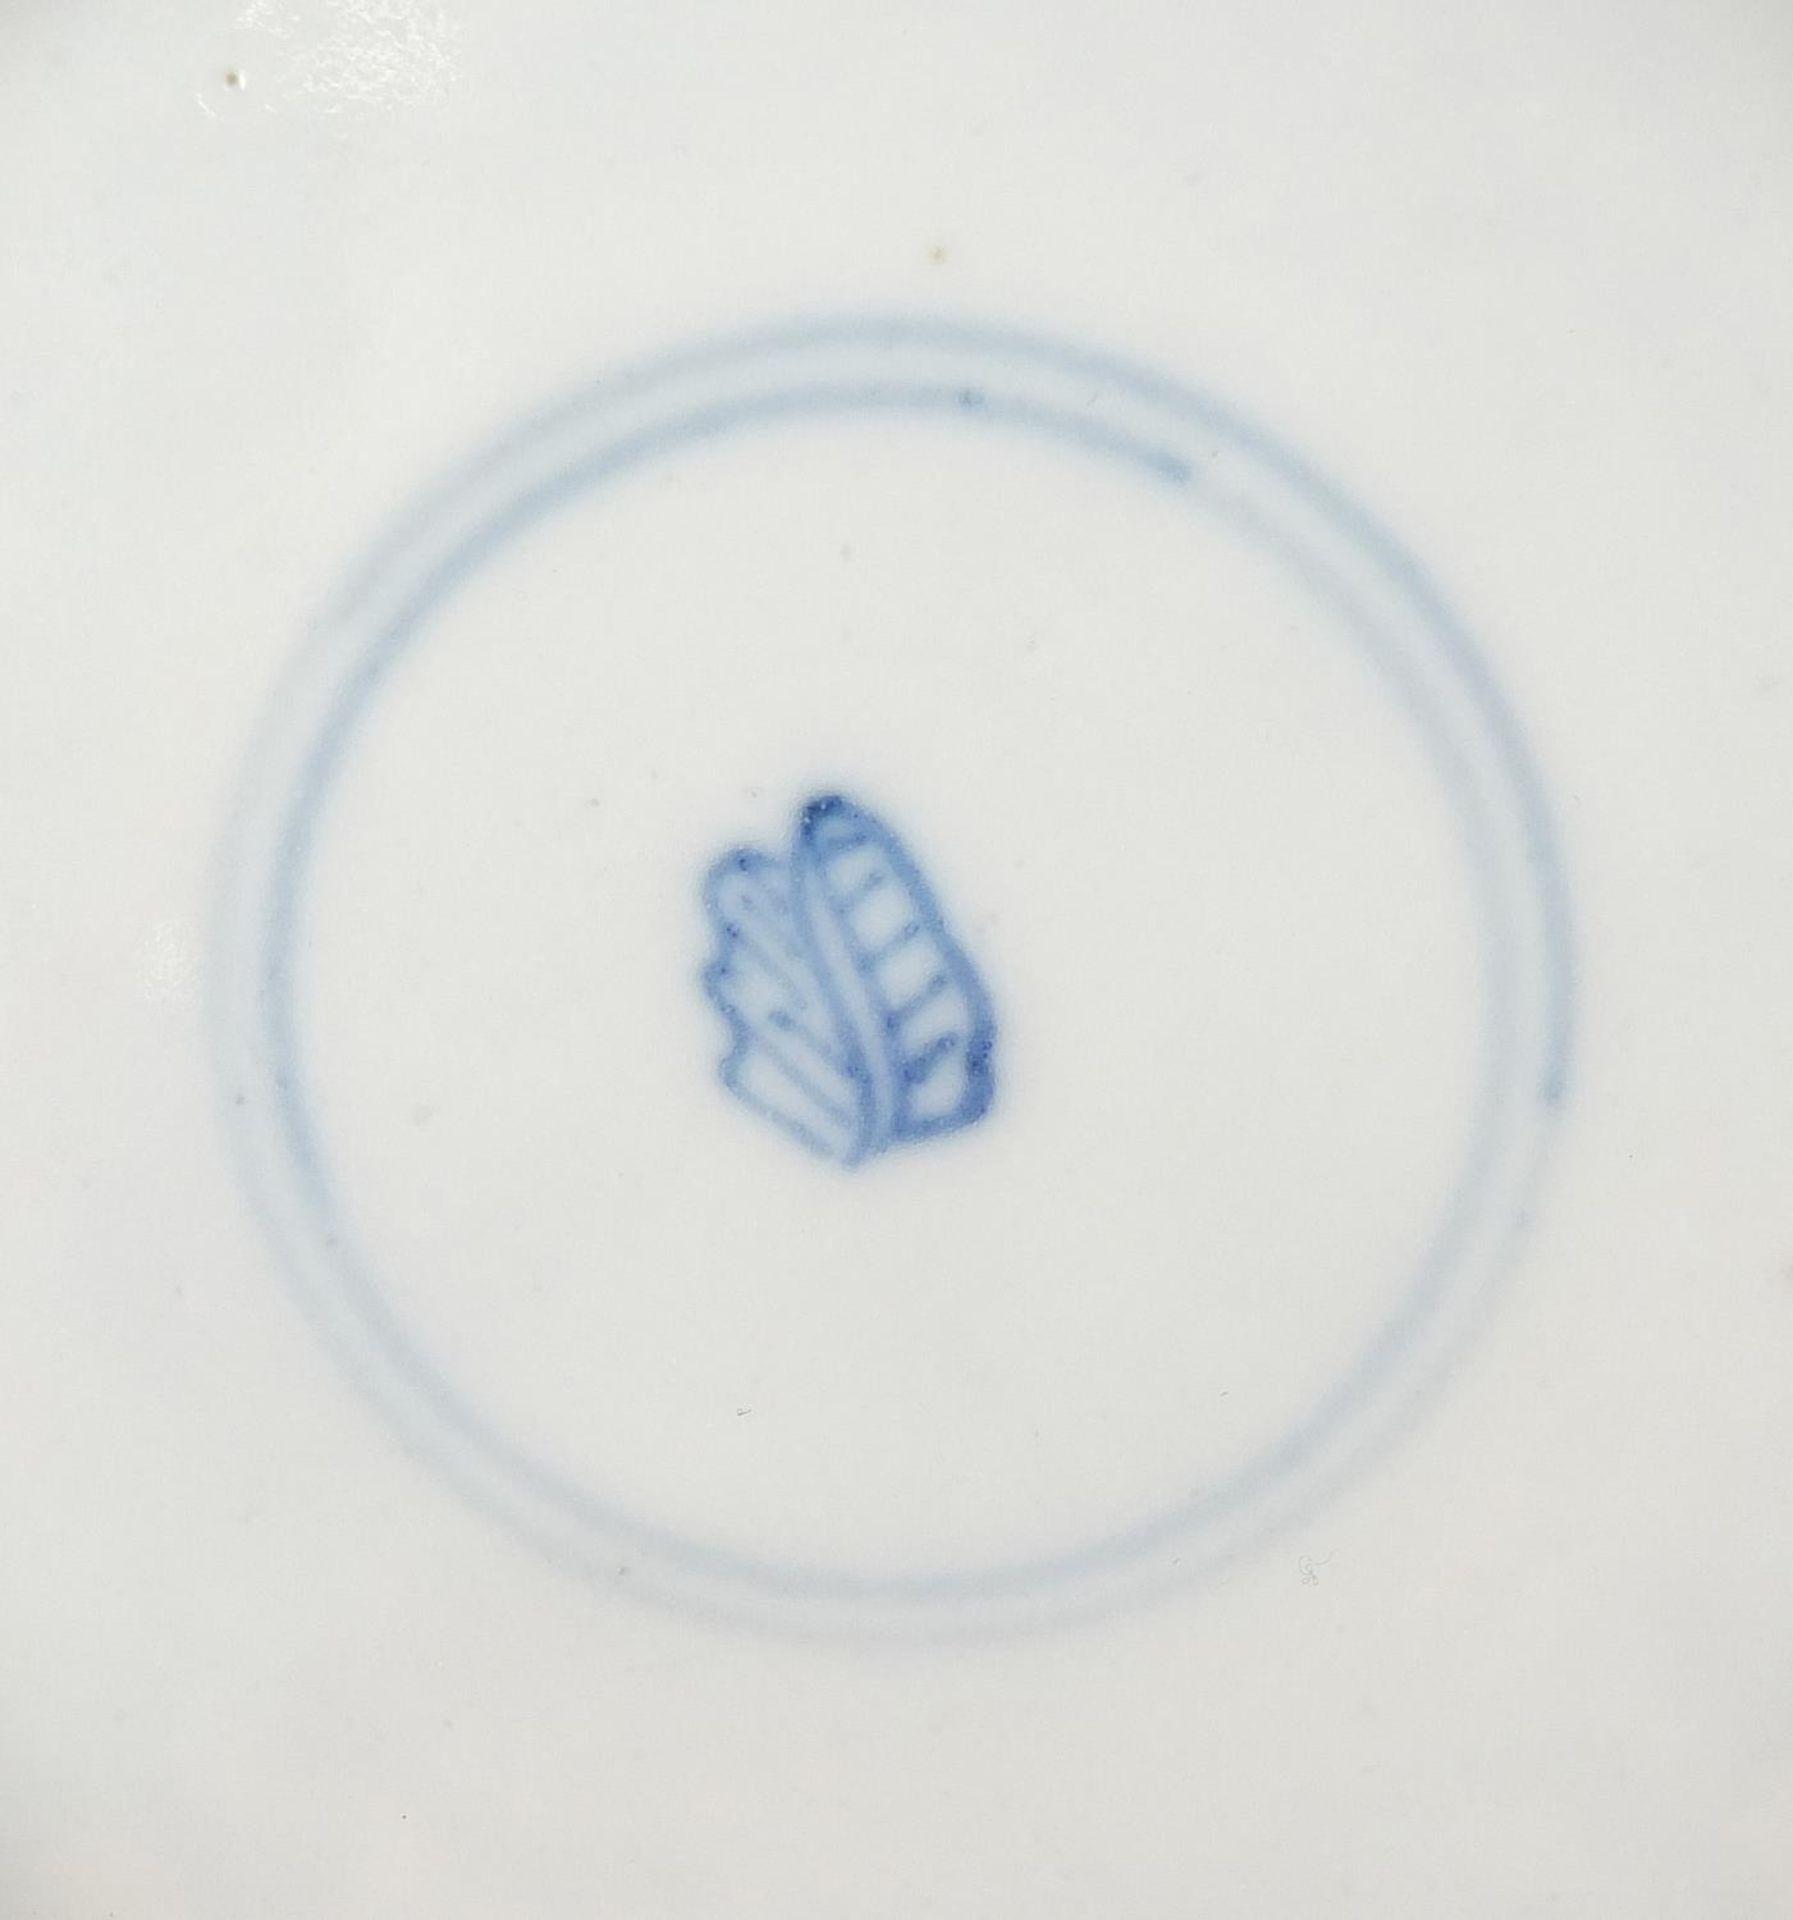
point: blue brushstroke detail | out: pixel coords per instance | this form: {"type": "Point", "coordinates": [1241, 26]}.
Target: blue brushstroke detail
{"type": "Point", "coordinates": [856, 1020]}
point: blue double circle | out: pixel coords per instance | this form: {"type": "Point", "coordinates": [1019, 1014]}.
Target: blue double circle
{"type": "Point", "coordinates": [1146, 429]}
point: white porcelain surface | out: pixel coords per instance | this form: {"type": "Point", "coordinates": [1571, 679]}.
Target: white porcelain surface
{"type": "Point", "coordinates": [1285, 515]}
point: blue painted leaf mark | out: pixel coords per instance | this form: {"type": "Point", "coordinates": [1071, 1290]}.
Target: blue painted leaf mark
{"type": "Point", "coordinates": [856, 1020]}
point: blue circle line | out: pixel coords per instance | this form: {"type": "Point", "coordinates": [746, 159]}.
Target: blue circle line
{"type": "Point", "coordinates": [299, 838]}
